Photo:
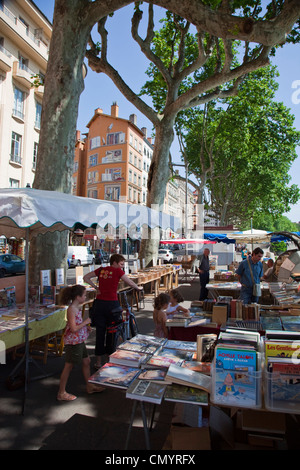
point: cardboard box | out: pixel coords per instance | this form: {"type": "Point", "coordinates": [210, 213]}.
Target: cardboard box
{"type": "Point", "coordinates": [219, 314]}
{"type": "Point", "coordinates": [186, 438]}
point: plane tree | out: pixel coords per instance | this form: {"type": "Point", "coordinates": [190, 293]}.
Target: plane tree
{"type": "Point", "coordinates": [217, 22]}
{"type": "Point", "coordinates": [241, 151]}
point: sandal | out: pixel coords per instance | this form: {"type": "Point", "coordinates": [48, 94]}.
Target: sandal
{"type": "Point", "coordinates": [66, 397]}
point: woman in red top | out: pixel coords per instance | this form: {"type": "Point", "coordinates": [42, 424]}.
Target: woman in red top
{"type": "Point", "coordinates": [106, 298]}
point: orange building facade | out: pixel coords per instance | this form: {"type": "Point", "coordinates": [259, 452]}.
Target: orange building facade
{"type": "Point", "coordinates": [112, 162]}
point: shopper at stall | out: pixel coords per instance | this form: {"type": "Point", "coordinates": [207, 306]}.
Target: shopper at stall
{"type": "Point", "coordinates": [268, 274]}
{"type": "Point", "coordinates": [250, 272]}
{"type": "Point", "coordinates": [174, 306]}
{"type": "Point", "coordinates": [160, 316]}
{"type": "Point", "coordinates": [203, 271]}
{"type": "Point", "coordinates": [106, 298]}
{"type": "Point", "coordinates": [76, 333]}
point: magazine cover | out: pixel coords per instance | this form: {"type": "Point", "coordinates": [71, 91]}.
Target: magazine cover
{"type": "Point", "coordinates": [144, 390]}
{"type": "Point", "coordinates": [184, 394]}
{"type": "Point", "coordinates": [235, 358]}
{"type": "Point", "coordinates": [235, 387]}
{"type": "Point", "coordinates": [114, 375]}
{"type": "Point", "coordinates": [130, 358]}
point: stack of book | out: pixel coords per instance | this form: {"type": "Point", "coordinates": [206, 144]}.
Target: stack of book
{"type": "Point", "coordinates": [236, 372]}
{"type": "Point", "coordinates": [282, 357]}
{"type": "Point", "coordinates": [143, 366]}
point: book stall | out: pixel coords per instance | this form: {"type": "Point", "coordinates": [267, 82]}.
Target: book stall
{"type": "Point", "coordinates": [213, 381]}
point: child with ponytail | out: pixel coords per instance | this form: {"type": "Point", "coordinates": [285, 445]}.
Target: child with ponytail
{"type": "Point", "coordinates": [76, 333]}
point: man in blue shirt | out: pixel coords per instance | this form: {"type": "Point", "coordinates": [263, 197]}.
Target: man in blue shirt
{"type": "Point", "coordinates": [254, 264]}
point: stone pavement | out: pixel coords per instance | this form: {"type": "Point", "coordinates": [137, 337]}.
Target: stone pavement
{"type": "Point", "coordinates": [91, 422]}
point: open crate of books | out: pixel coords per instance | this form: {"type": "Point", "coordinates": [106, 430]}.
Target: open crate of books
{"type": "Point", "coordinates": [282, 371]}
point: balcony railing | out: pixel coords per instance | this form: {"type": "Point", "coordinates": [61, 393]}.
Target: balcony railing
{"type": "Point", "coordinates": [15, 159]}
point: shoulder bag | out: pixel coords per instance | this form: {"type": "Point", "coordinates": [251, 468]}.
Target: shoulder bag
{"type": "Point", "coordinates": [256, 291]}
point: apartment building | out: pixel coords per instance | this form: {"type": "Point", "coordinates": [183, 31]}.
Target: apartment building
{"type": "Point", "coordinates": [113, 160]}
{"type": "Point", "coordinates": [25, 35]}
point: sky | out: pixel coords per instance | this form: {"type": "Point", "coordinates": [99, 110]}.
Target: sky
{"type": "Point", "coordinates": [127, 58]}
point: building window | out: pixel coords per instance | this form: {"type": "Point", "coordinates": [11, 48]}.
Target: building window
{"type": "Point", "coordinates": [112, 193]}
{"type": "Point", "coordinates": [115, 138]}
{"type": "Point", "coordinates": [19, 97]}
{"type": "Point", "coordinates": [93, 159]}
{"type": "Point", "coordinates": [14, 183]}
{"type": "Point", "coordinates": [16, 144]}
{"type": "Point", "coordinates": [35, 152]}
{"type": "Point", "coordinates": [93, 177]}
{"type": "Point", "coordinates": [95, 142]}
{"type": "Point", "coordinates": [75, 166]}
{"type": "Point", "coordinates": [92, 193]}
{"type": "Point", "coordinates": [130, 176]}
{"type": "Point", "coordinates": [38, 115]}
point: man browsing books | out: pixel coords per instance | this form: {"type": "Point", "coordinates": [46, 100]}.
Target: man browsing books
{"type": "Point", "coordinates": [203, 271]}
{"type": "Point", "coordinates": [249, 272]}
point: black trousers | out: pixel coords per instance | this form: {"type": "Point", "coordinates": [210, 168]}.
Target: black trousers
{"type": "Point", "coordinates": [204, 279]}
{"type": "Point", "coordinates": [102, 318]}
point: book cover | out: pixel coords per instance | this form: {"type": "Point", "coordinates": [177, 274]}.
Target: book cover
{"type": "Point", "coordinates": [114, 375]}
{"type": "Point", "coordinates": [162, 362]}
{"type": "Point", "coordinates": [33, 294]}
{"type": "Point", "coordinates": [291, 322]}
{"type": "Point", "coordinates": [11, 296]}
{"type": "Point", "coordinates": [278, 348]}
{"type": "Point", "coordinates": [144, 390]}
{"type": "Point", "coordinates": [130, 345]}
{"type": "Point", "coordinates": [184, 376]}
{"type": "Point", "coordinates": [184, 394]}
{"type": "Point", "coordinates": [49, 295]}
{"type": "Point", "coordinates": [235, 358]}
{"type": "Point", "coordinates": [203, 367]}
{"type": "Point", "coordinates": [235, 388]}
{"type": "Point", "coordinates": [181, 345]}
{"type": "Point", "coordinates": [155, 375]}
{"type": "Point", "coordinates": [175, 353]}
{"type": "Point", "coordinates": [128, 358]}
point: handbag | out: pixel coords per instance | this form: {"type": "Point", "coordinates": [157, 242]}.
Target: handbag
{"type": "Point", "coordinates": [256, 291]}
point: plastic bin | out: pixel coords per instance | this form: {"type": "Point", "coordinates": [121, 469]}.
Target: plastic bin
{"type": "Point", "coordinates": [282, 392]}
{"type": "Point", "coordinates": [241, 388]}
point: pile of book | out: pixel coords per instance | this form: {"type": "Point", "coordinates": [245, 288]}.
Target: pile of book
{"type": "Point", "coordinates": [284, 293]}
{"type": "Point", "coordinates": [282, 358]}
{"type": "Point", "coordinates": [236, 371]}
{"type": "Point", "coordinates": [14, 318]}
{"type": "Point", "coordinates": [145, 366]}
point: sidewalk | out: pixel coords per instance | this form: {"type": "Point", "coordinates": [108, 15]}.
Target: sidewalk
{"type": "Point", "coordinates": [91, 422]}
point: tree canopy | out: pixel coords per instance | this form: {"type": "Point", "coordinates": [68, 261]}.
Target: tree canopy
{"type": "Point", "coordinates": [218, 23]}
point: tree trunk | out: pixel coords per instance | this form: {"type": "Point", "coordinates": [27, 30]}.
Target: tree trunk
{"type": "Point", "coordinates": [63, 86]}
{"type": "Point", "coordinates": [159, 174]}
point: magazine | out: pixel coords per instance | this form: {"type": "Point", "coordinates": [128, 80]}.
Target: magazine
{"type": "Point", "coordinates": [114, 375]}
{"type": "Point", "coordinates": [181, 345]}
{"type": "Point", "coordinates": [184, 376]}
{"type": "Point", "coordinates": [155, 375]}
{"type": "Point", "coordinates": [184, 394]}
{"type": "Point", "coordinates": [145, 390]}
{"type": "Point", "coordinates": [128, 358]}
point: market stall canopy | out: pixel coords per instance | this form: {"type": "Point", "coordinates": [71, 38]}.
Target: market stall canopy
{"type": "Point", "coordinates": [219, 238]}
{"type": "Point", "coordinates": [251, 236]}
{"type": "Point", "coordinates": [43, 211]}
{"type": "Point", "coordinates": [186, 241]}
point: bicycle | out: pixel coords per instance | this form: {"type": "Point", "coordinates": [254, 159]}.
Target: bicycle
{"type": "Point", "coordinates": [121, 329]}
